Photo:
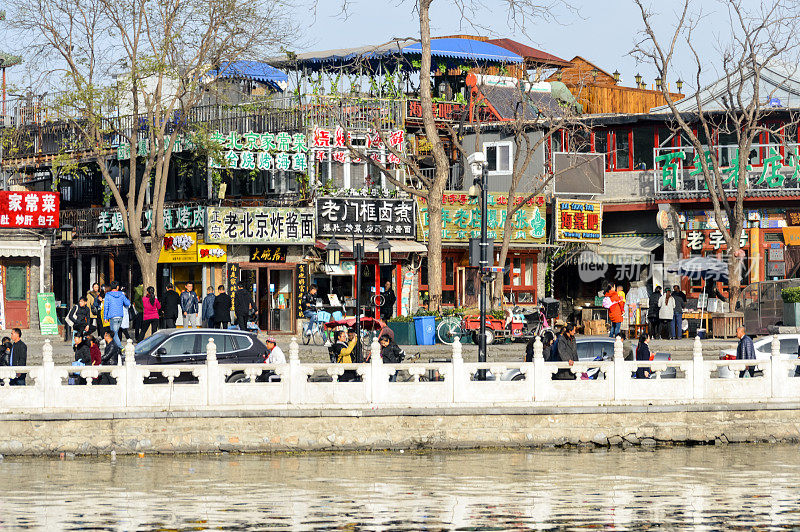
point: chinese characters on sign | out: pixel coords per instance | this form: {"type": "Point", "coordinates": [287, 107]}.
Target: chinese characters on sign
{"type": "Point", "coordinates": [29, 209]}
{"type": "Point", "coordinates": [461, 218]}
{"type": "Point", "coordinates": [301, 286]}
{"type": "Point", "coordinates": [261, 151]}
{"type": "Point", "coordinates": [579, 221]}
{"type": "Point", "coordinates": [110, 221]}
{"type": "Point", "coordinates": [699, 240]}
{"type": "Point", "coordinates": [259, 225]}
{"type": "Point", "coordinates": [393, 218]}
{"type": "Point", "coordinates": [179, 248]}
{"type": "Point", "coordinates": [267, 253]}
{"type": "Point", "coordinates": [181, 143]}
{"type": "Point", "coordinates": [333, 144]}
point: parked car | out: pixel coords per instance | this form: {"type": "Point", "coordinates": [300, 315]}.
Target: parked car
{"type": "Point", "coordinates": [599, 348]}
{"type": "Point", "coordinates": [788, 349]}
{"type": "Point", "coordinates": [188, 346]}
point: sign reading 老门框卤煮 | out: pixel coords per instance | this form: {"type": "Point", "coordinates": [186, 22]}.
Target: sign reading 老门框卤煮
{"type": "Point", "coordinates": [390, 217]}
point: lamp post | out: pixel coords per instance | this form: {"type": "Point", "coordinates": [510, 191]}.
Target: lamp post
{"type": "Point", "coordinates": [679, 84]}
{"type": "Point", "coordinates": [67, 232]}
{"type": "Point", "coordinates": [480, 171]}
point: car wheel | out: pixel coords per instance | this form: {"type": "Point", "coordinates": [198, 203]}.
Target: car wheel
{"type": "Point", "coordinates": [519, 377]}
{"type": "Point", "coordinates": [238, 377]}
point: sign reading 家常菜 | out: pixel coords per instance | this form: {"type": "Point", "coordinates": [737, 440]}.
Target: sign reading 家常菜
{"type": "Point", "coordinates": [259, 225]}
{"type": "Point", "coordinates": [261, 151]}
{"type": "Point", "coordinates": [461, 218]}
{"type": "Point", "coordinates": [29, 209]}
{"type": "Point", "coordinates": [393, 218]}
{"type": "Point", "coordinates": [579, 221]}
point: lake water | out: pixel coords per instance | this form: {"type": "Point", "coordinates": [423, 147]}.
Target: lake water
{"type": "Point", "coordinates": [700, 488]}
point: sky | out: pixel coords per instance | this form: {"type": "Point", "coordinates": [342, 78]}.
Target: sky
{"type": "Point", "coordinates": [602, 31]}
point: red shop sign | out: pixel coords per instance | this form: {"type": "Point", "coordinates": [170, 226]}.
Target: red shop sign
{"type": "Point", "coordinates": [29, 209]}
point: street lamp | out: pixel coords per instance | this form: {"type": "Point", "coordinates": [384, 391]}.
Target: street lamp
{"type": "Point", "coordinates": [480, 172]}
{"type": "Point", "coordinates": [616, 76]}
{"type": "Point", "coordinates": [658, 83]}
{"type": "Point", "coordinates": [334, 252]}
{"type": "Point", "coordinates": [384, 252]}
{"type": "Point", "coordinates": [67, 232]}
{"type": "Point", "coordinates": [679, 84]}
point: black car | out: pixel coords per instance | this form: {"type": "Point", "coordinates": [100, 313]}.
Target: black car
{"type": "Point", "coordinates": [188, 346]}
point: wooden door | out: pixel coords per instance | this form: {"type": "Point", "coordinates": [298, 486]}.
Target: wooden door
{"type": "Point", "coordinates": [15, 295]}
{"type": "Point", "coordinates": [468, 287]}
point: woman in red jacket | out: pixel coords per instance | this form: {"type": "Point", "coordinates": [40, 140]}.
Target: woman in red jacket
{"type": "Point", "coordinates": [615, 306]}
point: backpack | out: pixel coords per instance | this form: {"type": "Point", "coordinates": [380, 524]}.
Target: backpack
{"type": "Point", "coordinates": [70, 318]}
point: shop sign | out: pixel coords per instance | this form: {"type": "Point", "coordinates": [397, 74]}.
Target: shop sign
{"type": "Point", "coordinates": [680, 171]}
{"type": "Point", "coordinates": [793, 217]}
{"type": "Point", "coordinates": [29, 209]}
{"type": "Point", "coordinates": [179, 248]}
{"type": "Point", "coordinates": [393, 218]}
{"type": "Point", "coordinates": [233, 280]}
{"type": "Point", "coordinates": [776, 269]}
{"type": "Point", "coordinates": [300, 287]}
{"type": "Point", "coordinates": [111, 221]}
{"type": "Point", "coordinates": [579, 221]}
{"type": "Point", "coordinates": [332, 143]}
{"type": "Point", "coordinates": [461, 218]}
{"type": "Point", "coordinates": [699, 240]}
{"type": "Point", "coordinates": [258, 225]}
{"type": "Point", "coordinates": [180, 144]}
{"type": "Point", "coordinates": [211, 252]}
{"type": "Point", "coordinates": [261, 151]}
{"type": "Point", "coordinates": [47, 313]}
{"type": "Point", "coordinates": [791, 236]}
{"type": "Point", "coordinates": [268, 254]}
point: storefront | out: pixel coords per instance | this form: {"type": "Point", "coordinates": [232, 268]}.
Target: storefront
{"type": "Point", "coordinates": [267, 256]}
{"type": "Point", "coordinates": [461, 219]}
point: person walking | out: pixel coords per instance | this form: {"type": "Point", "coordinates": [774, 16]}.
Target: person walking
{"type": "Point", "coordinates": [5, 350]}
{"type": "Point", "coordinates": [150, 308]}
{"type": "Point", "coordinates": [615, 306]}
{"type": "Point", "coordinates": [94, 314]}
{"type": "Point", "coordinates": [169, 307]}
{"type": "Point", "coordinates": [677, 320]}
{"type": "Point", "coordinates": [242, 305]}
{"type": "Point", "coordinates": [643, 353]}
{"type": "Point", "coordinates": [567, 352]}
{"type": "Point", "coordinates": [666, 313]}
{"type": "Point", "coordinates": [389, 300]}
{"type": "Point", "coordinates": [207, 315]}
{"type": "Point", "coordinates": [190, 307]}
{"type": "Point", "coordinates": [115, 304]}
{"type": "Point", "coordinates": [79, 318]}
{"type": "Point", "coordinates": [745, 351]}
{"type": "Point", "coordinates": [222, 308]}
{"type": "Point", "coordinates": [18, 356]}
{"type": "Point", "coordinates": [652, 312]}
{"type": "Point", "coordinates": [127, 319]}
{"type": "Point", "coordinates": [138, 309]}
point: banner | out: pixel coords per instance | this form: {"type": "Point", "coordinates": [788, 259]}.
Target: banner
{"type": "Point", "coordinates": [259, 225]}
{"type": "Point", "coordinates": [301, 287]}
{"type": "Point", "coordinates": [393, 218]}
{"type": "Point", "coordinates": [461, 218]}
{"type": "Point", "coordinates": [29, 209]}
{"type": "Point", "coordinates": [47, 313]}
{"type": "Point", "coordinates": [579, 221]}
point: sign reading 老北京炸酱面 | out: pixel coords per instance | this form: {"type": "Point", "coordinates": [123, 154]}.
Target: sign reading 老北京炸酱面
{"type": "Point", "coordinates": [579, 221]}
{"type": "Point", "coordinates": [260, 151]}
{"type": "Point", "coordinates": [390, 217]}
{"type": "Point", "coordinates": [259, 225]}
{"type": "Point", "coordinates": [175, 218]}
{"type": "Point", "coordinates": [766, 167]}
{"type": "Point", "coordinates": [461, 218]}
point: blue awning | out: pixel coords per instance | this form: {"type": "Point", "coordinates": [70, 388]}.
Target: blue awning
{"type": "Point", "coordinates": [252, 70]}
{"type": "Point", "coordinates": [469, 49]}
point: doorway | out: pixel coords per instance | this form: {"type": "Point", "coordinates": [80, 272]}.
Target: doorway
{"type": "Point", "coordinates": [15, 295]}
{"type": "Point", "coordinates": [275, 299]}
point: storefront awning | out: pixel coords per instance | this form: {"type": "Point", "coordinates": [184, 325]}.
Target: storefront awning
{"type": "Point", "coordinates": [371, 246]}
{"type": "Point", "coordinates": [627, 249]}
{"type": "Point", "coordinates": [22, 248]}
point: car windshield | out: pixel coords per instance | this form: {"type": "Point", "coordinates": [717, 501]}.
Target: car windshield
{"type": "Point", "coordinates": [145, 346]}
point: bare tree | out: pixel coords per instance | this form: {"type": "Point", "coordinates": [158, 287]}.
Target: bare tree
{"type": "Point", "coordinates": [160, 53]}
{"type": "Point", "coordinates": [762, 37]}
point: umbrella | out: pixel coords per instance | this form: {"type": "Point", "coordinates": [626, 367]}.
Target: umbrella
{"type": "Point", "coordinates": [701, 268]}
{"type": "Point", "coordinates": [367, 323]}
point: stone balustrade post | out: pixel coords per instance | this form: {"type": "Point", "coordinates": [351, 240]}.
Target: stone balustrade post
{"type": "Point", "coordinates": [296, 379]}
{"type": "Point", "coordinates": [377, 373]}
{"type": "Point", "coordinates": [131, 380]}
{"type": "Point", "coordinates": [47, 380]}
{"type": "Point", "coordinates": [457, 374]}
{"type": "Point", "coordinates": [778, 371]}
{"type": "Point", "coordinates": [541, 375]}
{"type": "Point", "coordinates": [213, 375]}
{"type": "Point", "coordinates": [699, 372]}
{"type": "Point", "coordinates": [622, 373]}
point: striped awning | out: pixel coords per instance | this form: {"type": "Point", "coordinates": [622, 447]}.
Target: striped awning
{"type": "Point", "coordinates": [627, 248]}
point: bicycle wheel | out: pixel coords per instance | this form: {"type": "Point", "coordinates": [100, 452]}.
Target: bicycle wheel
{"type": "Point", "coordinates": [448, 331]}
{"type": "Point", "coordinates": [306, 338]}
{"type": "Point", "coordinates": [317, 336]}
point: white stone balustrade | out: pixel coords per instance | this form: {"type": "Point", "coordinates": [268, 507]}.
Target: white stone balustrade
{"type": "Point", "coordinates": [212, 385]}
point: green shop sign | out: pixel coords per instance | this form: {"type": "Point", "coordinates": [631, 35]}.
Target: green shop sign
{"type": "Point", "coordinates": [175, 218]}
{"type": "Point", "coordinates": [180, 144]}
{"type": "Point", "coordinates": [261, 151]}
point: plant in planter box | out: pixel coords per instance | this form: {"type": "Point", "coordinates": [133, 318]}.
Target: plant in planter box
{"type": "Point", "coordinates": [403, 328]}
{"type": "Point", "coordinates": [791, 306]}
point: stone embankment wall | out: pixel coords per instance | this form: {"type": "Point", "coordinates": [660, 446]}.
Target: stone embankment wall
{"type": "Point", "coordinates": [320, 430]}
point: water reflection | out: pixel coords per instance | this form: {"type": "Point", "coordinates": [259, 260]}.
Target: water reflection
{"type": "Point", "coordinates": [700, 488]}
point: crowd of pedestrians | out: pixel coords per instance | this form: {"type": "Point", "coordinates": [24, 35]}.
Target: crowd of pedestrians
{"type": "Point", "coordinates": [665, 313]}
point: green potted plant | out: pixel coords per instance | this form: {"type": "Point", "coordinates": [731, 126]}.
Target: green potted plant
{"type": "Point", "coordinates": [403, 328]}
{"type": "Point", "coordinates": [791, 306]}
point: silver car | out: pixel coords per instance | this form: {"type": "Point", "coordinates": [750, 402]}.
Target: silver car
{"type": "Point", "coordinates": [788, 350]}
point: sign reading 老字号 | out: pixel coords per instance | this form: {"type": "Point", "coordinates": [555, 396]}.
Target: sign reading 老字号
{"type": "Point", "coordinates": [259, 225]}
{"type": "Point", "coordinates": [261, 151]}
{"type": "Point", "coordinates": [29, 209]}
{"type": "Point", "coordinates": [461, 218]}
{"type": "Point", "coordinates": [393, 218]}
{"type": "Point", "coordinates": [180, 218]}
{"type": "Point", "coordinates": [268, 253]}
{"type": "Point", "coordinates": [579, 221]}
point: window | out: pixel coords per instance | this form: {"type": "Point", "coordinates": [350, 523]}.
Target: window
{"type": "Point", "coordinates": [16, 282]}
{"type": "Point", "coordinates": [623, 150]}
{"type": "Point", "coordinates": [580, 141]}
{"type": "Point", "coordinates": [222, 341]}
{"type": "Point", "coordinates": [643, 144]}
{"type": "Point", "coordinates": [498, 157]}
{"type": "Point", "coordinates": [519, 278]}
{"type": "Point", "coordinates": [180, 345]}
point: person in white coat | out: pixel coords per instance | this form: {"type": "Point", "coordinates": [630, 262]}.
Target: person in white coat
{"type": "Point", "coordinates": [666, 312]}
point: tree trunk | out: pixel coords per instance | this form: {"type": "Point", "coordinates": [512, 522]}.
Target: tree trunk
{"type": "Point", "coordinates": [435, 246]}
{"type": "Point", "coordinates": [734, 277]}
{"type": "Point", "coordinates": [497, 296]}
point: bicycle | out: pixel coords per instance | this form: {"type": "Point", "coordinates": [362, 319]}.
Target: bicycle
{"type": "Point", "coordinates": [317, 334]}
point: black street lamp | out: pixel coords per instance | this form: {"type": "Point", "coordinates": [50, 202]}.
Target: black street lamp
{"type": "Point", "coordinates": [67, 232]}
{"type": "Point", "coordinates": [334, 252]}
{"type": "Point", "coordinates": [384, 252]}
{"type": "Point", "coordinates": [480, 171]}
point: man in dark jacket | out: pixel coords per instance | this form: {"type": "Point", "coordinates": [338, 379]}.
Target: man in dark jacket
{"type": "Point", "coordinates": [567, 352]}
{"type": "Point", "coordinates": [169, 307]}
{"type": "Point", "coordinates": [745, 351]}
{"type": "Point", "coordinates": [79, 317]}
{"type": "Point", "coordinates": [391, 354]}
{"type": "Point", "coordinates": [389, 299]}
{"type": "Point", "coordinates": [308, 305]}
{"type": "Point", "coordinates": [112, 354]}
{"type": "Point", "coordinates": [18, 356]}
{"type": "Point", "coordinates": [190, 306]}
{"type": "Point", "coordinates": [222, 308]}
{"type": "Point", "coordinates": [680, 302]}
{"type": "Point", "coordinates": [652, 312]}
{"type": "Point", "coordinates": [242, 304]}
